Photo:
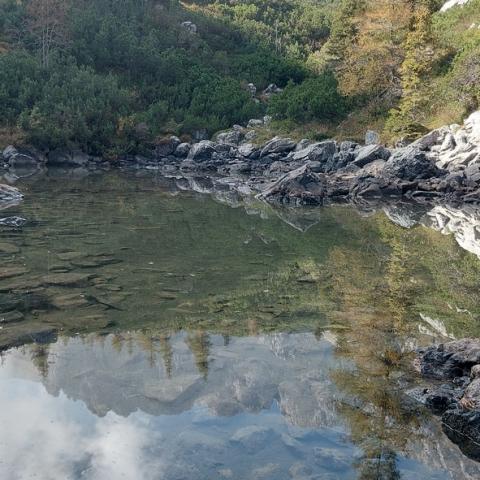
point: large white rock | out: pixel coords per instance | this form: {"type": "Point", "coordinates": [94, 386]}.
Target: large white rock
{"type": "Point", "coordinates": [452, 3]}
{"type": "Point", "coordinates": [454, 147]}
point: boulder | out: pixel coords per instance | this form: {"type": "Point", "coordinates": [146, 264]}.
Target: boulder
{"type": "Point", "coordinates": [182, 150]}
{"type": "Point", "coordinates": [70, 158]}
{"type": "Point", "coordinates": [190, 27]}
{"type": "Point", "coordinates": [347, 146]}
{"type": "Point", "coordinates": [449, 360]}
{"type": "Point", "coordinates": [247, 150]}
{"type": "Point", "coordinates": [278, 145]}
{"type": "Point", "coordinates": [231, 137]}
{"type": "Point", "coordinates": [430, 139]}
{"type": "Point", "coordinates": [453, 3]}
{"type": "Point", "coordinates": [302, 144]}
{"type": "Point", "coordinates": [202, 151]}
{"type": "Point", "coordinates": [254, 122]}
{"type": "Point", "coordinates": [8, 152]}
{"type": "Point", "coordinates": [317, 152]}
{"type": "Point", "coordinates": [166, 146]}
{"type": "Point", "coordinates": [372, 137]}
{"type": "Point", "coordinates": [252, 89]}
{"type": "Point", "coordinates": [272, 89]}
{"type": "Point", "coordinates": [369, 154]}
{"type": "Point", "coordinates": [250, 135]}
{"type": "Point", "coordinates": [300, 187]}
{"type": "Point", "coordinates": [463, 428]}
{"type": "Point", "coordinates": [411, 164]}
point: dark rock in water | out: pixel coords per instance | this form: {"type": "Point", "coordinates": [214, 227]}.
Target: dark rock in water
{"type": "Point", "coordinates": [463, 428]}
{"type": "Point", "coordinates": [15, 222]}
{"type": "Point", "coordinates": [11, 317]}
{"type": "Point", "coordinates": [8, 248]}
{"type": "Point", "coordinates": [70, 158]}
{"type": "Point", "coordinates": [278, 145]}
{"type": "Point", "coordinates": [202, 151]}
{"type": "Point", "coordinates": [369, 154]}
{"type": "Point", "coordinates": [411, 164]}
{"type": "Point", "coordinates": [301, 187]}
{"type": "Point", "coordinates": [19, 335]}
{"type": "Point", "coordinates": [23, 161]}
{"type": "Point", "coordinates": [24, 302]}
{"type": "Point", "coordinates": [10, 272]}
{"type": "Point", "coordinates": [449, 360]}
{"type": "Point", "coordinates": [67, 279]}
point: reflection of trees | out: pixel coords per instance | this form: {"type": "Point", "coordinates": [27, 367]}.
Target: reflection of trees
{"type": "Point", "coordinates": [167, 354]}
{"type": "Point", "coordinates": [376, 299]}
{"type": "Point", "coordinates": [199, 344]}
{"type": "Point", "coordinates": [39, 354]}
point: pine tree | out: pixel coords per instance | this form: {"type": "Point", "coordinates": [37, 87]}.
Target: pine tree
{"type": "Point", "coordinates": [344, 29]}
{"type": "Point", "coordinates": [403, 121]}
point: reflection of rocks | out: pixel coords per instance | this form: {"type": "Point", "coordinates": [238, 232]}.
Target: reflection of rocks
{"type": "Point", "coordinates": [9, 194]}
{"type": "Point", "coordinates": [458, 401]}
{"type": "Point", "coordinates": [463, 223]}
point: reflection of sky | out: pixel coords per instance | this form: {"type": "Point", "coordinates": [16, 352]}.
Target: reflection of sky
{"type": "Point", "coordinates": [47, 436]}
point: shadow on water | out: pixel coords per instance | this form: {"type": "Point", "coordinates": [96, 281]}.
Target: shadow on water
{"type": "Point", "coordinates": [278, 340]}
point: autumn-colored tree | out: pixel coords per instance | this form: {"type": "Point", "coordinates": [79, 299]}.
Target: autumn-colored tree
{"type": "Point", "coordinates": [47, 22]}
{"type": "Point", "coordinates": [371, 64]}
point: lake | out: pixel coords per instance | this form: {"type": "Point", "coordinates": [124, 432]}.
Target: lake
{"type": "Point", "coordinates": [157, 328]}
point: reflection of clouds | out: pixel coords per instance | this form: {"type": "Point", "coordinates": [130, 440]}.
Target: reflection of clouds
{"type": "Point", "coordinates": [116, 450]}
{"type": "Point", "coordinates": [267, 402]}
{"type": "Point", "coordinates": [37, 439]}
{"type": "Point", "coordinates": [47, 437]}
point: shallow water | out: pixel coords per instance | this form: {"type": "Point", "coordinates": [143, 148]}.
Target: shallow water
{"type": "Point", "coordinates": [155, 333]}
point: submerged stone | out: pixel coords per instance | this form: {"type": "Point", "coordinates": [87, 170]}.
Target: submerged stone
{"type": "Point", "coordinates": [67, 279]}
{"type": "Point", "coordinates": [8, 248]}
{"type": "Point", "coordinates": [9, 272]}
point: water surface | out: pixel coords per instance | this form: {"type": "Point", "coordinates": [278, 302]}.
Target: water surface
{"type": "Point", "coordinates": [155, 333]}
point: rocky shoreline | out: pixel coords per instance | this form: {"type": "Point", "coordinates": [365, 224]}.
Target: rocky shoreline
{"type": "Point", "coordinates": [442, 166]}
{"type": "Point", "coordinates": [453, 369]}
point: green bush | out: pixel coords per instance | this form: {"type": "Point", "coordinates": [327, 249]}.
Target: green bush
{"type": "Point", "coordinates": [317, 98]}
{"type": "Point", "coordinates": [77, 107]}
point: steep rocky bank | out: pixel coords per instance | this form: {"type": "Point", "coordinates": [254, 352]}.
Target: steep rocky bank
{"type": "Point", "coordinates": [443, 165]}
{"type": "Point", "coordinates": [457, 398]}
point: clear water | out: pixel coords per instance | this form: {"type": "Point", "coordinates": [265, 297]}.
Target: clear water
{"type": "Point", "coordinates": [160, 334]}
